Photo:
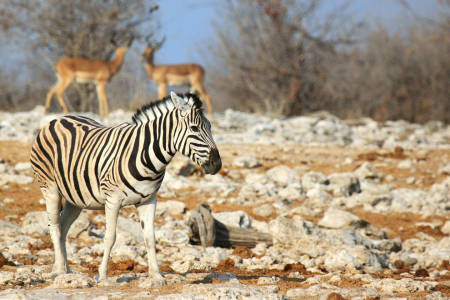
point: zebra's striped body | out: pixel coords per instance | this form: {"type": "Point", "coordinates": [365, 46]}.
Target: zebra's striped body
{"type": "Point", "coordinates": [88, 166]}
{"type": "Point", "coordinates": [98, 167]}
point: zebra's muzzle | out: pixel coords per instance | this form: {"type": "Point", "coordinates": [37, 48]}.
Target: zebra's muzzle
{"type": "Point", "coordinates": [214, 164]}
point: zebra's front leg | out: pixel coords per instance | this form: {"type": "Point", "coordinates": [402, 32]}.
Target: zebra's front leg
{"type": "Point", "coordinates": [111, 213]}
{"type": "Point", "coordinates": [147, 217]}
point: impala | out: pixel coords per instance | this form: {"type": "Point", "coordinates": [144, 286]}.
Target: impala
{"type": "Point", "coordinates": [175, 75]}
{"type": "Point", "coordinates": [82, 70]}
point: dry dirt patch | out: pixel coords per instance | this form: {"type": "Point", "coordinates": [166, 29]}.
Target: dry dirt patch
{"type": "Point", "coordinates": [319, 159]}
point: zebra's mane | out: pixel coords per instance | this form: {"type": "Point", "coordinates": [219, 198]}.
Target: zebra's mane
{"type": "Point", "coordinates": [158, 108]}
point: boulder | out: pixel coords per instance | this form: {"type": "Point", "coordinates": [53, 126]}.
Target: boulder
{"type": "Point", "coordinates": [366, 170]}
{"type": "Point", "coordinates": [74, 281]}
{"type": "Point", "coordinates": [336, 218]}
{"type": "Point", "coordinates": [9, 229]}
{"type": "Point", "coordinates": [234, 218]}
{"type": "Point", "coordinates": [131, 228]}
{"type": "Point", "coordinates": [181, 166]}
{"type": "Point", "coordinates": [312, 180]}
{"type": "Point", "coordinates": [172, 237]}
{"type": "Point", "coordinates": [256, 178]}
{"type": "Point", "coordinates": [264, 210]}
{"type": "Point", "coordinates": [13, 178]}
{"type": "Point", "coordinates": [293, 191]}
{"type": "Point", "coordinates": [23, 167]}
{"type": "Point", "coordinates": [445, 170]}
{"type": "Point", "coordinates": [282, 175]}
{"type": "Point", "coordinates": [82, 224]}
{"type": "Point", "coordinates": [405, 164]}
{"type": "Point", "coordinates": [35, 222]}
{"type": "Point", "coordinates": [246, 162]}
{"type": "Point", "coordinates": [344, 184]}
{"type": "Point", "coordinates": [171, 206]}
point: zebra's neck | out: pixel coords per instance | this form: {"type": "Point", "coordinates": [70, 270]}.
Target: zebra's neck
{"type": "Point", "coordinates": [159, 147]}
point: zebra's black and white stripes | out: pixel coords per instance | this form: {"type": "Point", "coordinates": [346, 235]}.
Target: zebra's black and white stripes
{"type": "Point", "coordinates": [96, 167]}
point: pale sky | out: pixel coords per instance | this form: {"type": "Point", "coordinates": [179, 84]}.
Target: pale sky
{"type": "Point", "coordinates": [188, 23]}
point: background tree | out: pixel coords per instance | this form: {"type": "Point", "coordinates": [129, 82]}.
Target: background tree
{"type": "Point", "coordinates": [275, 55]}
{"type": "Point", "coordinates": [292, 57]}
{"type": "Point", "coordinates": [400, 74]}
{"type": "Point", "coordinates": [53, 29]}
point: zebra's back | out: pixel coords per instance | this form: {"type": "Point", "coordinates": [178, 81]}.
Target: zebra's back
{"type": "Point", "coordinates": [76, 154]}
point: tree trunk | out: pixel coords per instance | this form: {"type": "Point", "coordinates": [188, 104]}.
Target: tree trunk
{"type": "Point", "coordinates": [207, 231]}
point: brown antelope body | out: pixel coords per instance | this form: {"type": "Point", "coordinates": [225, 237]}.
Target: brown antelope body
{"type": "Point", "coordinates": [188, 74]}
{"type": "Point", "coordinates": [82, 70]}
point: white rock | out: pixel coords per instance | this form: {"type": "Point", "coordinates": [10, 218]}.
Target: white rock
{"type": "Point", "coordinates": [8, 200]}
{"type": "Point", "coordinates": [256, 177]}
{"type": "Point", "coordinates": [236, 119]}
{"type": "Point", "coordinates": [318, 196]}
{"type": "Point", "coordinates": [13, 178]}
{"type": "Point", "coordinates": [130, 227]}
{"type": "Point", "coordinates": [246, 162]}
{"type": "Point", "coordinates": [390, 177]}
{"type": "Point", "coordinates": [446, 228]}
{"type": "Point", "coordinates": [23, 167]}
{"type": "Point", "coordinates": [172, 237]}
{"type": "Point", "coordinates": [261, 226]}
{"type": "Point", "coordinates": [182, 266]}
{"type": "Point", "coordinates": [181, 166]}
{"type": "Point", "coordinates": [172, 206]}
{"type": "Point", "coordinates": [235, 218]}
{"type": "Point", "coordinates": [405, 164]}
{"type": "Point", "coordinates": [405, 285]}
{"type": "Point", "coordinates": [303, 210]}
{"type": "Point", "coordinates": [341, 260]}
{"type": "Point", "coordinates": [348, 161]}
{"type": "Point", "coordinates": [292, 192]}
{"type": "Point", "coordinates": [73, 281]}
{"type": "Point", "coordinates": [82, 224]}
{"type": "Point", "coordinates": [282, 175]}
{"type": "Point", "coordinates": [346, 183]}
{"type": "Point", "coordinates": [436, 296]}
{"type": "Point", "coordinates": [411, 180]}
{"type": "Point", "coordinates": [366, 170]}
{"type": "Point", "coordinates": [314, 180]}
{"type": "Point", "coordinates": [336, 218]}
{"type": "Point", "coordinates": [36, 221]}
{"type": "Point", "coordinates": [445, 170]}
{"type": "Point", "coordinates": [264, 210]}
{"type": "Point", "coordinates": [6, 277]}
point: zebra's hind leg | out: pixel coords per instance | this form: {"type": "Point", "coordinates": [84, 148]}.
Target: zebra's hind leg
{"type": "Point", "coordinates": [53, 204]}
{"type": "Point", "coordinates": [147, 218]}
{"type": "Point", "coordinates": [69, 214]}
{"type": "Point", "coordinates": [112, 208]}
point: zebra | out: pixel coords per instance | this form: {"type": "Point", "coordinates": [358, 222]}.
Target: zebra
{"type": "Point", "coordinates": [97, 167]}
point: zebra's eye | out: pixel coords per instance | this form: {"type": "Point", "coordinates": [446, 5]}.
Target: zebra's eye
{"type": "Point", "coordinates": [195, 129]}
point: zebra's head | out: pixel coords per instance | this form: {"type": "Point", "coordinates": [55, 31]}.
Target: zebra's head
{"type": "Point", "coordinates": [194, 138]}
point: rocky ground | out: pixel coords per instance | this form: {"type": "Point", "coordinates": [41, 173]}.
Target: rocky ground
{"type": "Point", "coordinates": [356, 209]}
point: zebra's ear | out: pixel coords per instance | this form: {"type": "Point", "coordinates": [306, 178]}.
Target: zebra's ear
{"type": "Point", "coordinates": [179, 102]}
